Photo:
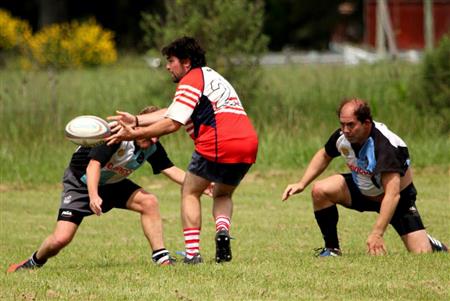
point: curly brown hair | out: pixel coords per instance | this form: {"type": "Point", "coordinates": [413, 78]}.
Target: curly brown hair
{"type": "Point", "coordinates": [149, 109]}
{"type": "Point", "coordinates": [186, 48]}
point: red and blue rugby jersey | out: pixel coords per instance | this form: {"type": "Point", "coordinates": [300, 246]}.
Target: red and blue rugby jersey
{"type": "Point", "coordinates": [214, 117]}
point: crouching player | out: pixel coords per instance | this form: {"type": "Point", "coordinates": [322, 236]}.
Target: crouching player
{"type": "Point", "coordinates": [96, 181]}
{"type": "Point", "coordinates": [380, 181]}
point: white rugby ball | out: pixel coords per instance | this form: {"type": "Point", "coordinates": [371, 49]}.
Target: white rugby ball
{"type": "Point", "coordinates": [87, 130]}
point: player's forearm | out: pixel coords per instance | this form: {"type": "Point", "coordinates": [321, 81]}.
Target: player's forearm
{"type": "Point", "coordinates": [150, 118]}
{"type": "Point", "coordinates": [318, 164]}
{"type": "Point", "coordinates": [388, 206]}
{"type": "Point", "coordinates": [158, 129]}
{"type": "Point", "coordinates": [93, 178]}
{"type": "Point", "coordinates": [391, 186]}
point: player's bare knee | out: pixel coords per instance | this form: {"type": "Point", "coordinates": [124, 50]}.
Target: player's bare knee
{"type": "Point", "coordinates": [419, 248]}
{"type": "Point", "coordinates": [416, 242]}
{"type": "Point", "coordinates": [60, 241]}
{"type": "Point", "coordinates": [144, 203]}
{"type": "Point", "coordinates": [318, 193]}
{"type": "Point", "coordinates": [149, 204]}
{"type": "Point", "coordinates": [420, 251]}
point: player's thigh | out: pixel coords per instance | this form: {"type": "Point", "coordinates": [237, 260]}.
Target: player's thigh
{"type": "Point", "coordinates": [223, 190]}
{"type": "Point", "coordinates": [194, 185]}
{"type": "Point", "coordinates": [334, 189]}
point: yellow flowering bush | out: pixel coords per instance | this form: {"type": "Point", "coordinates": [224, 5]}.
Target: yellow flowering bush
{"type": "Point", "coordinates": [13, 32]}
{"type": "Point", "coordinates": [67, 45]}
{"type": "Point", "coordinates": [73, 44]}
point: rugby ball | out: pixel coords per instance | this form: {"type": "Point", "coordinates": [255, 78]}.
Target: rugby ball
{"type": "Point", "coordinates": [87, 130]}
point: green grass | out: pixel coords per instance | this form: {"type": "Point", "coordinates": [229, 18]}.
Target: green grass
{"type": "Point", "coordinates": [293, 112]}
{"type": "Point", "coordinates": [109, 258]}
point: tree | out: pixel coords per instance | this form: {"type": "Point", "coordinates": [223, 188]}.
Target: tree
{"type": "Point", "coordinates": [300, 24]}
{"type": "Point", "coordinates": [230, 31]}
{"type": "Point", "coordinates": [52, 11]}
{"type": "Point", "coordinates": [431, 91]}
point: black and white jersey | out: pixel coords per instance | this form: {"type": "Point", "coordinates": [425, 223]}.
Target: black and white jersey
{"type": "Point", "coordinates": [118, 161]}
{"type": "Point", "coordinates": [383, 151]}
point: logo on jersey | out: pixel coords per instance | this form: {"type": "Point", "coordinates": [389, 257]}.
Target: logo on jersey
{"type": "Point", "coordinates": [120, 152]}
{"type": "Point", "coordinates": [359, 170]}
{"type": "Point", "coordinates": [123, 171]}
{"type": "Point", "coordinates": [345, 151]}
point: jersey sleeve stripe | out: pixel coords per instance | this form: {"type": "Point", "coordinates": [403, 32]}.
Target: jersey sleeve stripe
{"type": "Point", "coordinates": [233, 108]}
{"type": "Point", "coordinates": [186, 103]}
{"type": "Point", "coordinates": [186, 98]}
{"type": "Point", "coordinates": [187, 94]}
{"type": "Point", "coordinates": [191, 89]}
{"type": "Point", "coordinates": [239, 112]}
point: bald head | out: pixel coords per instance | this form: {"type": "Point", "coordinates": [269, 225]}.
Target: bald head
{"type": "Point", "coordinates": [355, 107]}
{"type": "Point", "coordinates": [355, 119]}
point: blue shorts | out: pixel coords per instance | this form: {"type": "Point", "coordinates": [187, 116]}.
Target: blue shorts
{"type": "Point", "coordinates": [406, 218]}
{"type": "Point", "coordinates": [225, 173]}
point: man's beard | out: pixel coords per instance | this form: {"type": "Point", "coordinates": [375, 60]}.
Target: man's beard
{"type": "Point", "coordinates": [175, 79]}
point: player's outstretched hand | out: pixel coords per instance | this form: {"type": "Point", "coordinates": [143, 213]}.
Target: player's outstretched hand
{"type": "Point", "coordinates": [95, 203]}
{"type": "Point", "coordinates": [375, 245]}
{"type": "Point", "coordinates": [209, 190]}
{"type": "Point", "coordinates": [292, 189]}
{"type": "Point", "coordinates": [125, 117]}
{"type": "Point", "coordinates": [126, 133]}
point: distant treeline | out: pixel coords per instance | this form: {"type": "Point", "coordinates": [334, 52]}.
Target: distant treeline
{"type": "Point", "coordinates": [299, 24]}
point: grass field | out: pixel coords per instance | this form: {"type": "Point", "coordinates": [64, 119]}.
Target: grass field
{"type": "Point", "coordinates": [109, 258]}
{"type": "Point", "coordinates": [293, 112]}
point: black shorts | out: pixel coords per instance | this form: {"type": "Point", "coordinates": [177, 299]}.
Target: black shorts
{"type": "Point", "coordinates": [75, 197]}
{"type": "Point", "coordinates": [225, 173]}
{"type": "Point", "coordinates": [406, 218]}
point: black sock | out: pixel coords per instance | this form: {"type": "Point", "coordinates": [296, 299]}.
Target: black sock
{"type": "Point", "coordinates": [37, 261]}
{"type": "Point", "coordinates": [327, 220]}
{"type": "Point", "coordinates": [160, 256]}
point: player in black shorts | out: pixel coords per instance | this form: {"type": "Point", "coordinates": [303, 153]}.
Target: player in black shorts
{"type": "Point", "coordinates": [96, 181]}
{"type": "Point", "coordinates": [380, 181]}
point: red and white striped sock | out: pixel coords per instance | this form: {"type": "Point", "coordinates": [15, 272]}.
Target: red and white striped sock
{"type": "Point", "coordinates": [192, 241]}
{"type": "Point", "coordinates": [223, 223]}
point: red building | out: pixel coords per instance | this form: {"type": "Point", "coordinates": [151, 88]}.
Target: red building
{"type": "Point", "coordinates": [407, 19]}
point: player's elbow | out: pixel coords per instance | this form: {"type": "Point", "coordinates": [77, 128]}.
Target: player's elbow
{"type": "Point", "coordinates": [172, 125]}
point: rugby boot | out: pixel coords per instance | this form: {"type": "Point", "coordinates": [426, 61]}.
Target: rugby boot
{"type": "Point", "coordinates": [436, 245]}
{"type": "Point", "coordinates": [223, 247]}
{"type": "Point", "coordinates": [196, 259]}
{"type": "Point", "coordinates": [27, 264]}
{"type": "Point", "coordinates": [170, 261]}
{"type": "Point", "coordinates": [327, 252]}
